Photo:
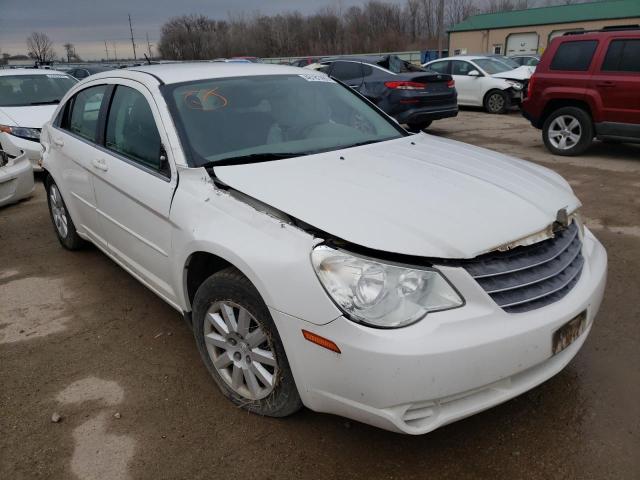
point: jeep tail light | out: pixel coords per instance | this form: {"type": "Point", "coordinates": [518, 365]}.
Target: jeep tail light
{"type": "Point", "coordinates": [532, 81]}
{"type": "Point", "coordinates": [405, 85]}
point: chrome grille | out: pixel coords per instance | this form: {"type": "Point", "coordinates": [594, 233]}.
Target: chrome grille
{"type": "Point", "coordinates": [530, 277]}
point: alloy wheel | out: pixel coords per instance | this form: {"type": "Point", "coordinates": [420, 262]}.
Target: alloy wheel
{"type": "Point", "coordinates": [240, 351]}
{"type": "Point", "coordinates": [564, 132]}
{"type": "Point", "coordinates": [496, 102]}
{"type": "Point", "coordinates": [58, 211]}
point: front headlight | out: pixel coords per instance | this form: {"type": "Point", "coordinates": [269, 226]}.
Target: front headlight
{"type": "Point", "coordinates": [32, 134]}
{"type": "Point", "coordinates": [381, 294]}
{"type": "Point", "coordinates": [515, 85]}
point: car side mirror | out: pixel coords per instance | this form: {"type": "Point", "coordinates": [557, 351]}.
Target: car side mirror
{"type": "Point", "coordinates": [474, 73]}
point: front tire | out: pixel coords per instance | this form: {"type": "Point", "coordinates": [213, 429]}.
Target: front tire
{"type": "Point", "coordinates": [62, 223]}
{"type": "Point", "coordinates": [568, 131]}
{"type": "Point", "coordinates": [496, 102]}
{"type": "Point", "coordinates": [241, 347]}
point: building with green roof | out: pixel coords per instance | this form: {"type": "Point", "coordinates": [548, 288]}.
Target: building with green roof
{"type": "Point", "coordinates": [527, 32]}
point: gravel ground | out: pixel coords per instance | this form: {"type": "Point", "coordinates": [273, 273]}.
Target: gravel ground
{"type": "Point", "coordinates": [99, 379]}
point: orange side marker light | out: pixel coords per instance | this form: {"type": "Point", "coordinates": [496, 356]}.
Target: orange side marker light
{"type": "Point", "coordinates": [318, 340]}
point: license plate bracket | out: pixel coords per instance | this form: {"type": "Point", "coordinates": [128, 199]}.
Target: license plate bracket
{"type": "Point", "coordinates": [569, 332]}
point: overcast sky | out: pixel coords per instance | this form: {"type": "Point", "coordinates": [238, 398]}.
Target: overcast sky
{"type": "Point", "coordinates": [89, 23]}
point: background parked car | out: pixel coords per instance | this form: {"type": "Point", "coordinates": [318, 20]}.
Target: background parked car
{"type": "Point", "coordinates": [28, 98]}
{"type": "Point", "coordinates": [526, 60]}
{"type": "Point", "coordinates": [16, 178]}
{"type": "Point", "coordinates": [303, 62]}
{"type": "Point", "coordinates": [407, 92]}
{"type": "Point", "coordinates": [587, 85]}
{"type": "Point", "coordinates": [86, 71]}
{"type": "Point", "coordinates": [483, 81]}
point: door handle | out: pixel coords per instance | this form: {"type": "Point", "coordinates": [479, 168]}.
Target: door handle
{"type": "Point", "coordinates": [100, 164]}
{"type": "Point", "coordinates": [58, 142]}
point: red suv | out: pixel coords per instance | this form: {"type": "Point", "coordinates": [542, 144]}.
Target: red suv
{"type": "Point", "coordinates": [587, 85]}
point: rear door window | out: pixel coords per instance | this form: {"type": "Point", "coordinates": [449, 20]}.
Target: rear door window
{"type": "Point", "coordinates": [574, 56]}
{"type": "Point", "coordinates": [83, 118]}
{"type": "Point", "coordinates": [346, 71]}
{"type": "Point", "coordinates": [622, 56]}
{"type": "Point", "coordinates": [440, 67]}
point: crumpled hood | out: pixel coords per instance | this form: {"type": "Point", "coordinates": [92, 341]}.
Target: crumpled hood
{"type": "Point", "coordinates": [419, 195]}
{"type": "Point", "coordinates": [31, 117]}
{"type": "Point", "coordinates": [521, 73]}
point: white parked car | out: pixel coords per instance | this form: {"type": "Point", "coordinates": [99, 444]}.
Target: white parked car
{"type": "Point", "coordinates": [28, 97]}
{"type": "Point", "coordinates": [324, 256]}
{"type": "Point", "coordinates": [16, 178]}
{"type": "Point", "coordinates": [484, 81]}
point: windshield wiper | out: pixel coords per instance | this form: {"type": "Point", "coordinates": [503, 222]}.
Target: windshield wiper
{"type": "Point", "coordinates": [252, 158]}
{"type": "Point", "coordinates": [48, 102]}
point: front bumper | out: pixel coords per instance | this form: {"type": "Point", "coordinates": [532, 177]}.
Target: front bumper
{"type": "Point", "coordinates": [16, 180]}
{"type": "Point", "coordinates": [446, 367]}
{"type": "Point", "coordinates": [14, 146]}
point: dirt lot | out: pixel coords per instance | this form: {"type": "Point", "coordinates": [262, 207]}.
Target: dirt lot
{"type": "Point", "coordinates": [81, 338]}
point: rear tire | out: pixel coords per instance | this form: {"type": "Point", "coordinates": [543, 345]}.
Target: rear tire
{"type": "Point", "coordinates": [418, 127]}
{"type": "Point", "coordinates": [496, 102]}
{"type": "Point", "coordinates": [245, 355]}
{"type": "Point", "coordinates": [62, 223]}
{"type": "Point", "coordinates": [568, 131]}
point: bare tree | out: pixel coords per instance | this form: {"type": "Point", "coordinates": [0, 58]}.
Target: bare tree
{"type": "Point", "coordinates": [40, 47]}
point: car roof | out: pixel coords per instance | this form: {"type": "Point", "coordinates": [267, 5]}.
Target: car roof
{"type": "Point", "coordinates": [186, 72]}
{"type": "Point", "coordinates": [460, 57]}
{"type": "Point", "coordinates": [29, 71]}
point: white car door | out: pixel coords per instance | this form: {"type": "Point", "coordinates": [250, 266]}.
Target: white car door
{"type": "Point", "coordinates": [134, 186]}
{"type": "Point", "coordinates": [469, 87]}
{"type": "Point", "coordinates": [73, 144]}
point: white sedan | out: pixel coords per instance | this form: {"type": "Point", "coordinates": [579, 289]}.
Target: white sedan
{"type": "Point", "coordinates": [16, 178]}
{"type": "Point", "coordinates": [28, 97]}
{"type": "Point", "coordinates": [328, 258]}
{"type": "Point", "coordinates": [484, 81]}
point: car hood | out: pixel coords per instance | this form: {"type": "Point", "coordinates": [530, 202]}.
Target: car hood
{"type": "Point", "coordinates": [30, 117]}
{"type": "Point", "coordinates": [419, 195]}
{"type": "Point", "coordinates": [521, 73]}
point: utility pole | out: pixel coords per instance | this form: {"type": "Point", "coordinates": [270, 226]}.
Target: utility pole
{"type": "Point", "coordinates": [115, 52]}
{"type": "Point", "coordinates": [149, 46]}
{"type": "Point", "coordinates": [440, 26]}
{"type": "Point", "coordinates": [132, 40]}
{"type": "Point", "coordinates": [106, 50]}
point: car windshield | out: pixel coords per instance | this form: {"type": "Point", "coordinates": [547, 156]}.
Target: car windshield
{"type": "Point", "coordinates": [27, 90]}
{"type": "Point", "coordinates": [492, 66]}
{"type": "Point", "coordinates": [266, 117]}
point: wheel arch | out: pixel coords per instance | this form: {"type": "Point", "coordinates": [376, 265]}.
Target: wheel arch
{"type": "Point", "coordinates": [201, 263]}
{"type": "Point", "coordinates": [558, 103]}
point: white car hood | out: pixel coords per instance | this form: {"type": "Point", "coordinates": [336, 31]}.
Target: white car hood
{"type": "Point", "coordinates": [420, 195]}
{"type": "Point", "coordinates": [31, 117]}
{"type": "Point", "coordinates": [521, 73]}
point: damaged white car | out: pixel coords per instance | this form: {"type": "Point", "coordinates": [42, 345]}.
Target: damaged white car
{"type": "Point", "coordinates": [28, 97]}
{"type": "Point", "coordinates": [324, 256]}
{"type": "Point", "coordinates": [485, 81]}
{"type": "Point", "coordinates": [16, 178]}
